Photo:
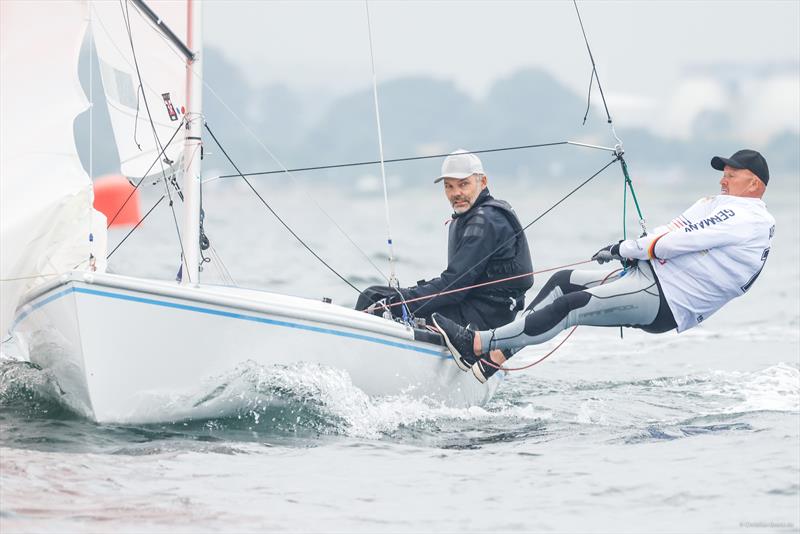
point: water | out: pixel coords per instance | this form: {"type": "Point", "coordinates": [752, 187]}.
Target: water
{"type": "Point", "coordinates": [673, 433]}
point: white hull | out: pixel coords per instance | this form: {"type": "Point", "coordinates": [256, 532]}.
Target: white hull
{"type": "Point", "coordinates": [119, 347]}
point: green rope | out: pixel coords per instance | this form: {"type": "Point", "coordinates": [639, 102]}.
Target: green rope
{"type": "Point", "coordinates": [624, 207]}
{"type": "Point", "coordinates": [629, 185]}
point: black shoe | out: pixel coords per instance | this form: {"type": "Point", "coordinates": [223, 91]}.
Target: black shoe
{"type": "Point", "coordinates": [482, 370]}
{"type": "Point", "coordinates": [458, 339]}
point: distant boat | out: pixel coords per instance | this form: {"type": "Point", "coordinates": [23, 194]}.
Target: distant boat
{"type": "Point", "coordinates": [118, 345]}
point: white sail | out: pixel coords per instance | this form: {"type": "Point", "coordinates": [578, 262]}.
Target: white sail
{"type": "Point", "coordinates": [125, 39]}
{"type": "Point", "coordinates": [46, 214]}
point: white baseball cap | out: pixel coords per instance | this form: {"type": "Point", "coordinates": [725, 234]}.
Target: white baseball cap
{"type": "Point", "coordinates": [460, 164]}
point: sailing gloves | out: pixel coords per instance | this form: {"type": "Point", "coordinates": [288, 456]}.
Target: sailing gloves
{"type": "Point", "coordinates": [607, 254]}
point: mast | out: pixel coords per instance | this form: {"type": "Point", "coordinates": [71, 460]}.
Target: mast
{"type": "Point", "coordinates": [193, 146]}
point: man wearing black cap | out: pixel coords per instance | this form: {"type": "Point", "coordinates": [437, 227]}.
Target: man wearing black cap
{"type": "Point", "coordinates": [674, 278]}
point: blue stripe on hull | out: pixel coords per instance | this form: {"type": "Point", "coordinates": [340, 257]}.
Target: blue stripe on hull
{"type": "Point", "coordinates": [228, 314]}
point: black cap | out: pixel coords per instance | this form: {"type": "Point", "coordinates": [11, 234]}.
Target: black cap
{"type": "Point", "coordinates": [744, 159]}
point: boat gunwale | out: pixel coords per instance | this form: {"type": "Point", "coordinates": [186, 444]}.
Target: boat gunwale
{"type": "Point", "coordinates": [286, 306]}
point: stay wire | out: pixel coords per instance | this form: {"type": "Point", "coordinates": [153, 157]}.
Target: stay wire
{"type": "Point", "coordinates": [513, 237]}
{"type": "Point", "coordinates": [135, 227]}
{"type": "Point", "coordinates": [147, 172]}
{"type": "Point", "coordinates": [594, 65]}
{"type": "Point", "coordinates": [258, 140]}
{"type": "Point", "coordinates": [127, 20]}
{"type": "Point", "coordinates": [271, 155]}
{"type": "Point", "coordinates": [393, 282]}
{"type": "Point", "coordinates": [126, 16]}
{"type": "Point", "coordinates": [393, 160]}
{"type": "Point", "coordinates": [291, 176]}
{"type": "Point", "coordinates": [249, 184]}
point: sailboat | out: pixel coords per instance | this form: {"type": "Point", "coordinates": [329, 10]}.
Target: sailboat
{"type": "Point", "coordinates": [117, 345]}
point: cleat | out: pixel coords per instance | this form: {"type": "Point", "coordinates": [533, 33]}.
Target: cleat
{"type": "Point", "coordinates": [458, 339]}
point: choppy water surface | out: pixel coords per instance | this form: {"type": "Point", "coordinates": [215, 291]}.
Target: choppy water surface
{"type": "Point", "coordinates": [671, 433]}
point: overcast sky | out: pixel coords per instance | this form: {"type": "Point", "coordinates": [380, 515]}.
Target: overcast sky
{"type": "Point", "coordinates": [643, 49]}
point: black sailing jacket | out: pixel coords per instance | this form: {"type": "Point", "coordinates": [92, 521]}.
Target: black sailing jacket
{"type": "Point", "coordinates": [474, 235]}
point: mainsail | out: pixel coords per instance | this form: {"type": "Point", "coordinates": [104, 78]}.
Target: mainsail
{"type": "Point", "coordinates": [144, 79]}
{"type": "Point", "coordinates": [46, 215]}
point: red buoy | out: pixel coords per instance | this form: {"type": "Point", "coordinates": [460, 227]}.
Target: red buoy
{"type": "Point", "coordinates": [110, 193]}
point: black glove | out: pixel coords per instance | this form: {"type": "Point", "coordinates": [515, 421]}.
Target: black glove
{"type": "Point", "coordinates": [607, 254]}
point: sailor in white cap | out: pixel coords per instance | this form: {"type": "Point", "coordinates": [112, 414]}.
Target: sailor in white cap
{"type": "Point", "coordinates": [486, 244]}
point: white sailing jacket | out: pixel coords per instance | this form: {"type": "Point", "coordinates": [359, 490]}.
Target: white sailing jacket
{"type": "Point", "coordinates": [711, 253]}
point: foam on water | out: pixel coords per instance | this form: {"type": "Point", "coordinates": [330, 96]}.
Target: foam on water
{"type": "Point", "coordinates": [776, 388]}
{"type": "Point", "coordinates": [307, 396]}
{"type": "Point", "coordinates": [300, 400]}
{"type": "Point", "coordinates": [309, 401]}
{"type": "Point", "coordinates": [30, 391]}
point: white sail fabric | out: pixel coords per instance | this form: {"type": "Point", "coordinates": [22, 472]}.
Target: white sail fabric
{"type": "Point", "coordinates": [46, 214]}
{"type": "Point", "coordinates": [119, 30]}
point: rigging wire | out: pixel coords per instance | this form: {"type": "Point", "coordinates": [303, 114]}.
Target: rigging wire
{"type": "Point", "coordinates": [628, 184]}
{"type": "Point", "coordinates": [217, 258]}
{"type": "Point", "coordinates": [292, 177]}
{"type": "Point", "coordinates": [224, 270]}
{"type": "Point", "coordinates": [619, 150]}
{"type": "Point", "coordinates": [400, 160]}
{"type": "Point", "coordinates": [225, 273]}
{"type": "Point", "coordinates": [91, 259]}
{"type": "Point", "coordinates": [334, 271]}
{"type": "Point", "coordinates": [147, 172]}
{"type": "Point", "coordinates": [594, 65]}
{"type": "Point", "coordinates": [135, 227]}
{"type": "Point", "coordinates": [589, 97]}
{"type": "Point", "coordinates": [290, 172]}
{"type": "Point", "coordinates": [264, 147]}
{"type": "Point", "coordinates": [393, 282]}
{"type": "Point", "coordinates": [489, 283]}
{"type": "Point", "coordinates": [284, 169]}
{"type": "Point", "coordinates": [126, 17]}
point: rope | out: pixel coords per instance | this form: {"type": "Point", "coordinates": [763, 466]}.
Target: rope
{"type": "Point", "coordinates": [29, 277]}
{"type": "Point", "coordinates": [334, 271]}
{"type": "Point", "coordinates": [256, 138]}
{"type": "Point", "coordinates": [393, 282]}
{"type": "Point", "coordinates": [629, 185]}
{"type": "Point", "coordinates": [425, 297]}
{"type": "Point", "coordinates": [624, 209]}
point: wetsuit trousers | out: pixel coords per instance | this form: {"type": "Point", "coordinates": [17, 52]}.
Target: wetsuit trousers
{"type": "Point", "coordinates": [594, 298]}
